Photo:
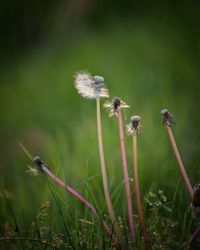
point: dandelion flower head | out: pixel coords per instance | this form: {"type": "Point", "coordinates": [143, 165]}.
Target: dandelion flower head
{"type": "Point", "coordinates": [90, 87]}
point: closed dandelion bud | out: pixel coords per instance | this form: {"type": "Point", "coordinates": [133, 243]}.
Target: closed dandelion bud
{"type": "Point", "coordinates": [90, 87]}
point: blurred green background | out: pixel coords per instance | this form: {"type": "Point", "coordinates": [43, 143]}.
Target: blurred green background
{"type": "Point", "coordinates": [149, 55]}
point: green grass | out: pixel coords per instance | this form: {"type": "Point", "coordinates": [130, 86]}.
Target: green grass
{"type": "Point", "coordinates": [40, 107]}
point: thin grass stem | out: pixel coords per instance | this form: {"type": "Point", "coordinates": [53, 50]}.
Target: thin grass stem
{"type": "Point", "coordinates": [126, 177]}
{"type": "Point", "coordinates": [138, 197]}
{"type": "Point", "coordinates": [180, 163]}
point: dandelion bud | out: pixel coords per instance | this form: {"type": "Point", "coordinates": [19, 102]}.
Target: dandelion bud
{"type": "Point", "coordinates": [90, 87]}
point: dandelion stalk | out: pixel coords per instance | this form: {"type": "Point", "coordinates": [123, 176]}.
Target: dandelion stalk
{"type": "Point", "coordinates": [168, 122]}
{"type": "Point", "coordinates": [115, 109]}
{"type": "Point", "coordinates": [104, 173]}
{"type": "Point", "coordinates": [93, 88]}
{"type": "Point", "coordinates": [134, 128]}
{"type": "Point", "coordinates": [44, 168]}
{"type": "Point", "coordinates": [126, 177]}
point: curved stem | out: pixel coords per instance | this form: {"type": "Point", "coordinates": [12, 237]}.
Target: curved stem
{"type": "Point", "coordinates": [104, 172]}
{"type": "Point", "coordinates": [180, 163]}
{"type": "Point", "coordinates": [138, 197]}
{"type": "Point", "coordinates": [126, 177]}
{"type": "Point", "coordinates": [82, 199]}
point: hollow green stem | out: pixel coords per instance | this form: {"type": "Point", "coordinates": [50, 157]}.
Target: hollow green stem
{"type": "Point", "coordinates": [137, 195]}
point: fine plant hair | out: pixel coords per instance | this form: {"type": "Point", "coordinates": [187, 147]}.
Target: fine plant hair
{"type": "Point", "coordinates": [115, 109]}
{"type": "Point", "coordinates": [168, 121]}
{"type": "Point", "coordinates": [44, 168]}
{"type": "Point", "coordinates": [93, 88]}
{"type": "Point", "coordinates": [133, 129]}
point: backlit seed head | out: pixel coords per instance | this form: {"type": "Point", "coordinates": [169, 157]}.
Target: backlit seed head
{"type": "Point", "coordinates": [90, 87]}
{"type": "Point", "coordinates": [167, 117]}
{"type": "Point", "coordinates": [115, 105]}
{"type": "Point", "coordinates": [134, 127]}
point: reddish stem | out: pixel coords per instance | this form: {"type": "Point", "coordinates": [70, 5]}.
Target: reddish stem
{"type": "Point", "coordinates": [82, 199]}
{"type": "Point", "coordinates": [137, 195]}
{"type": "Point", "coordinates": [126, 177]}
{"type": "Point", "coordinates": [180, 163]}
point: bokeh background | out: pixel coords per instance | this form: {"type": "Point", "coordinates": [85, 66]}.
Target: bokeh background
{"type": "Point", "coordinates": [149, 54]}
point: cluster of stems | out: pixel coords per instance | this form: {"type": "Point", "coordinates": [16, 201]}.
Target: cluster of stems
{"type": "Point", "coordinates": [93, 88]}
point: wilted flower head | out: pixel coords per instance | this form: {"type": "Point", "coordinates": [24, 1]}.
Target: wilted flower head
{"type": "Point", "coordinates": [167, 118]}
{"type": "Point", "coordinates": [115, 105]}
{"type": "Point", "coordinates": [134, 127]}
{"type": "Point", "coordinates": [91, 87]}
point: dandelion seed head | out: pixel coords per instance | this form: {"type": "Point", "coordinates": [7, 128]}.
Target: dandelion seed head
{"type": "Point", "coordinates": [115, 105]}
{"type": "Point", "coordinates": [38, 162]}
{"type": "Point", "coordinates": [90, 87]}
{"type": "Point", "coordinates": [134, 127]}
{"type": "Point", "coordinates": [168, 118]}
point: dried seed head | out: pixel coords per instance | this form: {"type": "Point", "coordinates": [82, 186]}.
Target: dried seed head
{"type": "Point", "coordinates": [38, 162]}
{"type": "Point", "coordinates": [90, 87]}
{"type": "Point", "coordinates": [167, 117]}
{"type": "Point", "coordinates": [115, 105]}
{"type": "Point", "coordinates": [134, 127]}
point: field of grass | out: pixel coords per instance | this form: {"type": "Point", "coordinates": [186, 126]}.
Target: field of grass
{"type": "Point", "coordinates": [150, 67]}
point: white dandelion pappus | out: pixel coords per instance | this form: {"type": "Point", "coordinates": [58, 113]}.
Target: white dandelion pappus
{"type": "Point", "coordinates": [90, 87]}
